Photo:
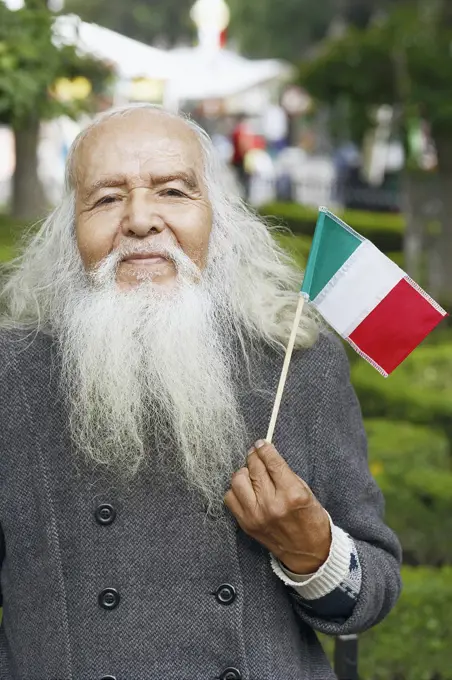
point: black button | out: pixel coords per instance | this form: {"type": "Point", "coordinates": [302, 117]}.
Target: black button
{"type": "Point", "coordinates": [231, 674]}
{"type": "Point", "coordinates": [105, 513]}
{"type": "Point", "coordinates": [109, 598]}
{"type": "Point", "coordinates": [225, 594]}
{"type": "Point", "coordinates": [108, 677]}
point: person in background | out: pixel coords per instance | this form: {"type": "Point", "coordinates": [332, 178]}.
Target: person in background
{"type": "Point", "coordinates": [275, 124]}
{"type": "Point", "coordinates": [242, 141]}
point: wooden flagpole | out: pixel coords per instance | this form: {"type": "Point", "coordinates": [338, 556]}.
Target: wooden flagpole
{"type": "Point", "coordinates": [285, 368]}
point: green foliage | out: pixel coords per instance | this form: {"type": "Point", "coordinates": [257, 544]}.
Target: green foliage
{"type": "Point", "coordinates": [11, 231]}
{"type": "Point", "coordinates": [406, 53]}
{"type": "Point", "coordinates": [383, 229]}
{"type": "Point", "coordinates": [398, 257]}
{"type": "Point", "coordinates": [413, 642]}
{"type": "Point", "coordinates": [298, 246]}
{"type": "Point", "coordinates": [419, 390]}
{"type": "Point", "coordinates": [164, 22]}
{"type": "Point", "coordinates": [6, 253]}
{"type": "Point", "coordinates": [395, 447]}
{"type": "Point", "coordinates": [281, 29]}
{"type": "Point", "coordinates": [413, 468]}
{"type": "Point", "coordinates": [30, 64]}
{"type": "Point", "coordinates": [340, 71]}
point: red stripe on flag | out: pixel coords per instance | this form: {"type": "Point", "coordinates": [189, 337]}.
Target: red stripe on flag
{"type": "Point", "coordinates": [396, 326]}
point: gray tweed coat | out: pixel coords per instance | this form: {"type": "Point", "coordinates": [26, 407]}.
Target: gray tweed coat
{"type": "Point", "coordinates": [100, 581]}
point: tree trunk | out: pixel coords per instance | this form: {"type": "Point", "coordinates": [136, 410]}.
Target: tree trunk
{"type": "Point", "coordinates": [29, 201]}
{"type": "Point", "coordinates": [441, 251]}
{"type": "Point", "coordinates": [418, 194]}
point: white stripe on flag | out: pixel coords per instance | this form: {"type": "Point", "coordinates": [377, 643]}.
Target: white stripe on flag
{"type": "Point", "coordinates": [357, 288]}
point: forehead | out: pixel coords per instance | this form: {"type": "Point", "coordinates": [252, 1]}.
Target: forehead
{"type": "Point", "coordinates": [139, 144]}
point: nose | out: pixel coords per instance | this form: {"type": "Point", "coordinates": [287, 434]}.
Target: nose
{"type": "Point", "coordinates": [142, 215]}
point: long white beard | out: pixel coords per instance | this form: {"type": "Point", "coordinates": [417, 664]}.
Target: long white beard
{"type": "Point", "coordinates": [153, 364]}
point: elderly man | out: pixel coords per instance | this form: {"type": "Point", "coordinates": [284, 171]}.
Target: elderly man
{"type": "Point", "coordinates": [147, 530]}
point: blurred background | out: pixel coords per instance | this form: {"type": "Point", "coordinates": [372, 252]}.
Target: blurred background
{"type": "Point", "coordinates": [343, 103]}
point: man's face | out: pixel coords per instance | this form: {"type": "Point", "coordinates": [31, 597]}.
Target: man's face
{"type": "Point", "coordinates": [139, 185]}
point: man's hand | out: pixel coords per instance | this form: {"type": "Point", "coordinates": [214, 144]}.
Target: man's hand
{"type": "Point", "coordinates": [278, 509]}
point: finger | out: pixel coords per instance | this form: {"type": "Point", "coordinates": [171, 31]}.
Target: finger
{"type": "Point", "coordinates": [233, 504]}
{"type": "Point", "coordinates": [260, 479]}
{"type": "Point", "coordinates": [275, 464]}
{"type": "Point", "coordinates": [243, 489]}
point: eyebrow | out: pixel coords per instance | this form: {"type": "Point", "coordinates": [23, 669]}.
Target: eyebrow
{"type": "Point", "coordinates": [187, 178]}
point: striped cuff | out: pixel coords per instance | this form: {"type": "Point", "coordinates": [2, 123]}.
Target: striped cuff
{"type": "Point", "coordinates": [341, 569]}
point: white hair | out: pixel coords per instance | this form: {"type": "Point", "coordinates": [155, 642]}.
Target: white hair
{"type": "Point", "coordinates": [261, 279]}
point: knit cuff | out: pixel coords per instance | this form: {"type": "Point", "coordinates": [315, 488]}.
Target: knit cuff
{"type": "Point", "coordinates": [329, 576]}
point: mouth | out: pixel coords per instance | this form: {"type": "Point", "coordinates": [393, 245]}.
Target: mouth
{"type": "Point", "coordinates": [145, 259]}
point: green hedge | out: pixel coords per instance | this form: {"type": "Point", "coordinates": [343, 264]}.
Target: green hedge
{"type": "Point", "coordinates": [9, 232]}
{"type": "Point", "coordinates": [412, 466]}
{"type": "Point", "coordinates": [298, 246]}
{"type": "Point", "coordinates": [383, 229]}
{"type": "Point", "coordinates": [414, 641]}
{"type": "Point", "coordinates": [396, 445]}
{"type": "Point", "coordinates": [419, 390]}
{"type": "Point", "coordinates": [9, 225]}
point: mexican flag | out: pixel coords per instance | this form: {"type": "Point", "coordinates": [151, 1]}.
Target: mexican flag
{"type": "Point", "coordinates": [365, 297]}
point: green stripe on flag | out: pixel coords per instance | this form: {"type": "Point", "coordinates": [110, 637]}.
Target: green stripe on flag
{"type": "Point", "coordinates": [332, 244]}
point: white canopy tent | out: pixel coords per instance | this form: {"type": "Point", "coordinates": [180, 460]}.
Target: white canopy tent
{"type": "Point", "coordinates": [220, 74]}
{"type": "Point", "coordinates": [131, 59]}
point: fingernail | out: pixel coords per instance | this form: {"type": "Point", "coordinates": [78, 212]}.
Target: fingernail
{"type": "Point", "coordinates": [260, 443]}
{"type": "Point", "coordinates": [251, 450]}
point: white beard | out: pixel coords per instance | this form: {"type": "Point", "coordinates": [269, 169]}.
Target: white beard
{"type": "Point", "coordinates": [153, 362]}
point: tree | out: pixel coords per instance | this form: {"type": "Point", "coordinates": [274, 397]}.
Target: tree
{"type": "Point", "coordinates": [403, 60]}
{"type": "Point", "coordinates": [282, 29]}
{"type": "Point", "coordinates": [162, 22]}
{"type": "Point", "coordinates": [29, 65]}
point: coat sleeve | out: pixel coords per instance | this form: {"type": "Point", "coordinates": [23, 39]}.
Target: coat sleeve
{"type": "Point", "coordinates": [2, 555]}
{"type": "Point", "coordinates": [344, 485]}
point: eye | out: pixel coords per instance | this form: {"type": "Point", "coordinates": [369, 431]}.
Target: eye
{"type": "Point", "coordinates": [106, 200]}
{"type": "Point", "coordinates": [173, 192]}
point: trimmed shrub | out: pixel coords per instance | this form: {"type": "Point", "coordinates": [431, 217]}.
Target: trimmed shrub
{"type": "Point", "coordinates": [383, 229]}
{"type": "Point", "coordinates": [6, 253]}
{"type": "Point", "coordinates": [296, 245]}
{"type": "Point", "coordinates": [412, 466]}
{"type": "Point", "coordinates": [419, 390]}
{"type": "Point", "coordinates": [9, 226]}
{"type": "Point", "coordinates": [10, 232]}
{"type": "Point", "coordinates": [396, 444]}
{"type": "Point", "coordinates": [299, 246]}
{"type": "Point", "coordinates": [397, 257]}
{"type": "Point", "coordinates": [413, 642]}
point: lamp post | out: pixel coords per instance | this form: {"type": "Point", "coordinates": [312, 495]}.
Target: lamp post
{"type": "Point", "coordinates": [211, 18]}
